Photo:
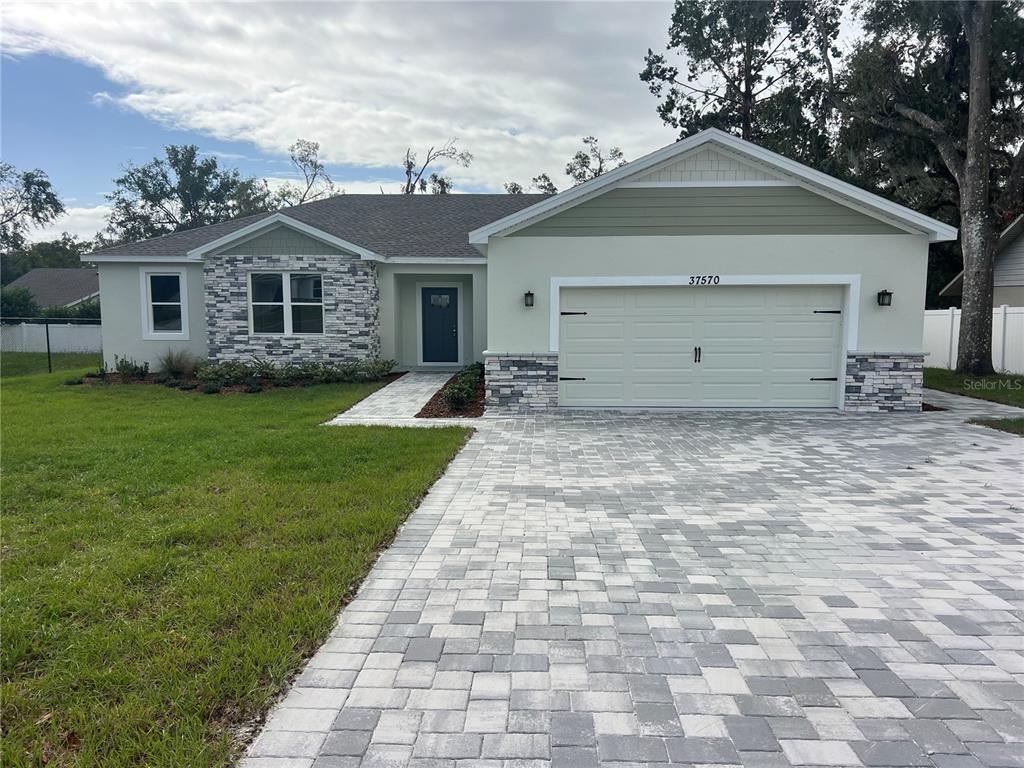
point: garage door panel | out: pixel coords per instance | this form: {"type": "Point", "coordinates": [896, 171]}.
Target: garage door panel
{"type": "Point", "coordinates": [802, 329]}
{"type": "Point", "coordinates": [760, 345]}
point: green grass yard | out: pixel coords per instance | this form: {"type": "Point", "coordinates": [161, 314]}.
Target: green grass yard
{"type": "Point", "coordinates": [1003, 388]}
{"type": "Point", "coordinates": [24, 363]}
{"type": "Point", "coordinates": [170, 558]}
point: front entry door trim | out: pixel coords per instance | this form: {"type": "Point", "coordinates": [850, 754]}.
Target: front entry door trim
{"type": "Point", "coordinates": [419, 323]}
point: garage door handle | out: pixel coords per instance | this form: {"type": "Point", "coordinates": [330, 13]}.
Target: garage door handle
{"type": "Point", "coordinates": [825, 378]}
{"type": "Point", "coordinates": [572, 378]}
{"type": "Point", "coordinates": [697, 352]}
{"type": "Point", "coordinates": [573, 313]}
{"type": "Point", "coordinates": [828, 311]}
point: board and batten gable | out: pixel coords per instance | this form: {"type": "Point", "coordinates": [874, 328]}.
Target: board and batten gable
{"type": "Point", "coordinates": [706, 165]}
{"type": "Point", "coordinates": [121, 306]}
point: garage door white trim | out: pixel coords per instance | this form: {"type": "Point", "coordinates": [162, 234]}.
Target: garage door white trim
{"type": "Point", "coordinates": [851, 305]}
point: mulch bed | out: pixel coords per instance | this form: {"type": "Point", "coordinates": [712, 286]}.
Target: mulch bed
{"type": "Point", "coordinates": [437, 409]}
{"type": "Point", "coordinates": [232, 389]}
{"type": "Point", "coordinates": [930, 407]}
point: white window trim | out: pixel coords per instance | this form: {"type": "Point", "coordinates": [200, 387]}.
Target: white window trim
{"type": "Point", "coordinates": [419, 323]}
{"type": "Point", "coordinates": [286, 294]}
{"type": "Point", "coordinates": [147, 305]}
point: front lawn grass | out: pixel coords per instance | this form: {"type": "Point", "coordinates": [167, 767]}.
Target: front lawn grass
{"type": "Point", "coordinates": [1001, 388]}
{"type": "Point", "coordinates": [24, 363]}
{"type": "Point", "coordinates": [1013, 426]}
{"type": "Point", "coordinates": [169, 559]}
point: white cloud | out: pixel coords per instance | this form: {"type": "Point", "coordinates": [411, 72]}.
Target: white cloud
{"type": "Point", "coordinates": [519, 83]}
{"type": "Point", "coordinates": [84, 222]}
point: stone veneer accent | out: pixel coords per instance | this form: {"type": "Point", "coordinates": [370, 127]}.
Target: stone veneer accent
{"type": "Point", "coordinates": [351, 309]}
{"type": "Point", "coordinates": [884, 381]}
{"type": "Point", "coordinates": [521, 381]}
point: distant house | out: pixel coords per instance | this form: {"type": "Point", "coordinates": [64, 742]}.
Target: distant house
{"type": "Point", "coordinates": [1008, 274]}
{"type": "Point", "coordinates": [53, 287]}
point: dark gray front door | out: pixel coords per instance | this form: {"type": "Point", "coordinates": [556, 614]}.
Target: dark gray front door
{"type": "Point", "coordinates": [440, 321]}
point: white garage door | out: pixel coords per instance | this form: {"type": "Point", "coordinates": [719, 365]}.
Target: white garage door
{"type": "Point", "coordinates": [715, 346]}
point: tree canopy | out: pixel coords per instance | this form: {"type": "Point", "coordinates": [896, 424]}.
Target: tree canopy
{"type": "Point", "coordinates": [757, 68]}
{"type": "Point", "coordinates": [27, 201]}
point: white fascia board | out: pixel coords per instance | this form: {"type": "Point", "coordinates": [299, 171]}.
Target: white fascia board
{"type": "Point", "coordinates": [280, 219]}
{"type": "Point", "coordinates": [815, 181]}
{"type": "Point", "coordinates": [433, 260]}
{"type": "Point", "coordinates": [117, 258]}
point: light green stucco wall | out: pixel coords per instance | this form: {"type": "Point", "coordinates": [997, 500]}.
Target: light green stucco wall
{"type": "Point", "coordinates": [707, 211]}
{"type": "Point", "coordinates": [121, 308]}
{"type": "Point", "coordinates": [281, 241]}
{"type": "Point", "coordinates": [894, 262]}
{"type": "Point", "coordinates": [397, 283]}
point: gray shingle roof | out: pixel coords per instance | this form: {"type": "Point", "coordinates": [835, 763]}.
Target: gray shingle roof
{"type": "Point", "coordinates": [389, 225]}
{"type": "Point", "coordinates": [56, 287]}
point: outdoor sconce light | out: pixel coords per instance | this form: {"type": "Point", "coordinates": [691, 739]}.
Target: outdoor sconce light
{"type": "Point", "coordinates": [885, 298]}
{"type": "Point", "coordinates": [528, 298]}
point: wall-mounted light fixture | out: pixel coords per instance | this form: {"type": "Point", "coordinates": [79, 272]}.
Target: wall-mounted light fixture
{"type": "Point", "coordinates": [885, 298]}
{"type": "Point", "coordinates": [528, 298]}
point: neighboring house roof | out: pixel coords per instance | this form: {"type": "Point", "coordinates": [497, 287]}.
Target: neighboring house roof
{"type": "Point", "coordinates": [955, 287]}
{"type": "Point", "coordinates": [59, 287]}
{"type": "Point", "coordinates": [385, 226]}
{"type": "Point", "coordinates": [780, 168]}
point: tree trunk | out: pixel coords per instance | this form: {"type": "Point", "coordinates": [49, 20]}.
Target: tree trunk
{"type": "Point", "coordinates": [977, 224]}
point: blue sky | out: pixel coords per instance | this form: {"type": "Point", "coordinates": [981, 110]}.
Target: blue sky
{"type": "Point", "coordinates": [87, 88]}
{"type": "Point", "coordinates": [53, 119]}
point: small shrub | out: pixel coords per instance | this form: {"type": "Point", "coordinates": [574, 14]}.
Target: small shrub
{"type": "Point", "coordinates": [210, 388]}
{"type": "Point", "coordinates": [228, 372]}
{"type": "Point", "coordinates": [264, 369]}
{"type": "Point", "coordinates": [173, 383]}
{"type": "Point", "coordinates": [178, 363]}
{"type": "Point", "coordinates": [129, 369]}
{"type": "Point", "coordinates": [161, 378]}
{"type": "Point", "coordinates": [73, 382]}
{"type": "Point", "coordinates": [457, 395]}
{"type": "Point", "coordinates": [188, 385]}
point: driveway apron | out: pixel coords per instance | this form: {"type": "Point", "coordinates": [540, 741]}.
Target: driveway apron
{"type": "Point", "coordinates": [747, 589]}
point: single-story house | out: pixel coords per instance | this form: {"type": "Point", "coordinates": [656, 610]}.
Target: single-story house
{"type": "Point", "coordinates": [1007, 272]}
{"type": "Point", "coordinates": [709, 273]}
{"type": "Point", "coordinates": [59, 287]}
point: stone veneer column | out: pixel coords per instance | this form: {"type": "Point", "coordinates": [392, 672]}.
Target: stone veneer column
{"type": "Point", "coordinates": [521, 381]}
{"type": "Point", "coordinates": [884, 381]}
{"type": "Point", "coordinates": [351, 309]}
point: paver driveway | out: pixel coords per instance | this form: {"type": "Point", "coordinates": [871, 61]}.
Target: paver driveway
{"type": "Point", "coordinates": [764, 590]}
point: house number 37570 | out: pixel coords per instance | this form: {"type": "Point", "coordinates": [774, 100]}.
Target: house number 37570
{"type": "Point", "coordinates": [704, 279]}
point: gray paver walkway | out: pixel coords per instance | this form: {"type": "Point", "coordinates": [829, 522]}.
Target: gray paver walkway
{"type": "Point", "coordinates": [398, 403]}
{"type": "Point", "coordinates": [768, 590]}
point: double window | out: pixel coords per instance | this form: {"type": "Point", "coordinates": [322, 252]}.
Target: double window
{"type": "Point", "coordinates": [287, 303]}
{"type": "Point", "coordinates": [165, 311]}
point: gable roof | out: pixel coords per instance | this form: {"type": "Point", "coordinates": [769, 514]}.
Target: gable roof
{"type": "Point", "coordinates": [375, 226]}
{"type": "Point", "coordinates": [776, 165]}
{"type": "Point", "coordinates": [58, 287]}
{"type": "Point", "coordinates": [955, 287]}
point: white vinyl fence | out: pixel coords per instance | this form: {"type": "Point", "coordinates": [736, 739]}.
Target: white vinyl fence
{"type": "Point", "coordinates": [64, 337]}
{"type": "Point", "coordinates": [942, 331]}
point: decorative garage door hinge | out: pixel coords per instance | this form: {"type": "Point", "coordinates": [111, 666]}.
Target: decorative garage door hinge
{"type": "Point", "coordinates": [825, 378]}
{"type": "Point", "coordinates": [572, 378]}
{"type": "Point", "coordinates": [573, 313]}
{"type": "Point", "coordinates": [828, 311]}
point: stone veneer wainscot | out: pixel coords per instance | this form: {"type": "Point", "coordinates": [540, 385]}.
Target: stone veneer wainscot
{"type": "Point", "coordinates": [351, 309]}
{"type": "Point", "coordinates": [521, 381]}
{"type": "Point", "coordinates": [884, 381]}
